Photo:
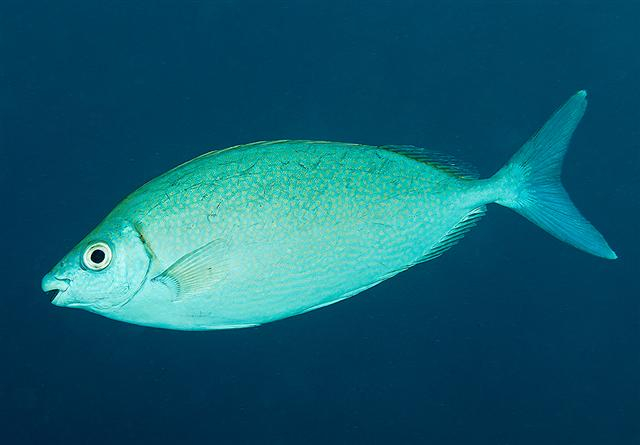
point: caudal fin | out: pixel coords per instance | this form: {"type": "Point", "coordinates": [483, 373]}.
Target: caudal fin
{"type": "Point", "coordinates": [531, 182]}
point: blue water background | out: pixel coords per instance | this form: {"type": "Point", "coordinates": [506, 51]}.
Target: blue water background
{"type": "Point", "coordinates": [511, 338]}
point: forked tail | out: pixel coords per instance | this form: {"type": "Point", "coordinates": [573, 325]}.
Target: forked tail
{"type": "Point", "coordinates": [530, 182]}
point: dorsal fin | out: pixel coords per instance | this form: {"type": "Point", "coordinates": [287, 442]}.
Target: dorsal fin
{"type": "Point", "coordinates": [436, 159]}
{"type": "Point", "coordinates": [455, 234]}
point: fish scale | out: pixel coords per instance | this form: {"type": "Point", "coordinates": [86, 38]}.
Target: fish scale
{"type": "Point", "coordinates": [313, 234]}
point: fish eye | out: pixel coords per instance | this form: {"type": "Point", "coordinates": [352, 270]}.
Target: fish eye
{"type": "Point", "coordinates": [97, 256]}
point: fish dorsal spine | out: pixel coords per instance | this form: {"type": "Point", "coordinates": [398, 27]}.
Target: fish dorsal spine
{"type": "Point", "coordinates": [441, 161]}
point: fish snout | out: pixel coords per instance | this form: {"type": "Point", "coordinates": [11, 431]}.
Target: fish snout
{"type": "Point", "coordinates": [53, 286]}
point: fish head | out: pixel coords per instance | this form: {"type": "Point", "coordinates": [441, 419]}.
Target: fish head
{"type": "Point", "coordinates": [101, 273]}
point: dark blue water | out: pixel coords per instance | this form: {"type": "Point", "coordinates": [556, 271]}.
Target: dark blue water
{"type": "Point", "coordinates": [510, 338]}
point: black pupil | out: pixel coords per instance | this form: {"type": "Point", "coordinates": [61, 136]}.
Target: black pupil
{"type": "Point", "coordinates": [97, 256]}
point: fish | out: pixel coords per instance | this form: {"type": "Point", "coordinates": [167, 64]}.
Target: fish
{"type": "Point", "coordinates": [260, 232]}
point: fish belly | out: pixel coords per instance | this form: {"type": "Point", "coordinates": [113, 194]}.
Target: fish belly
{"type": "Point", "coordinates": [306, 223]}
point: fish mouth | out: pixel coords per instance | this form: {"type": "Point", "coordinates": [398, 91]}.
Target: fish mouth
{"type": "Point", "coordinates": [52, 294]}
{"type": "Point", "coordinates": [54, 286]}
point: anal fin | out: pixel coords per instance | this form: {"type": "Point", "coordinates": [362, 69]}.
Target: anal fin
{"type": "Point", "coordinates": [455, 234]}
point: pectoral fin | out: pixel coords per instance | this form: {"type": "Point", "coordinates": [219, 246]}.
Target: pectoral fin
{"type": "Point", "coordinates": [198, 272]}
